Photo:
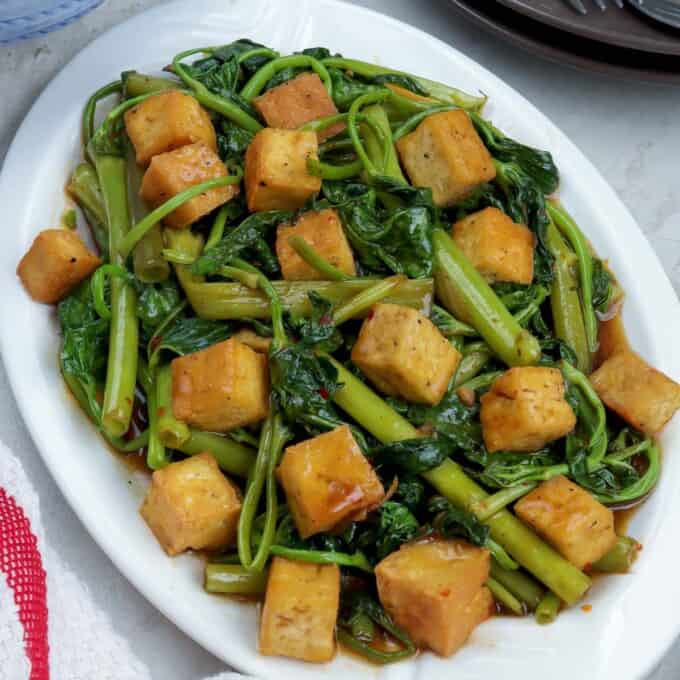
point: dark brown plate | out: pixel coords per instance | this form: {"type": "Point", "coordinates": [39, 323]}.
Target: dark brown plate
{"type": "Point", "coordinates": [624, 27]}
{"type": "Point", "coordinates": [565, 48]}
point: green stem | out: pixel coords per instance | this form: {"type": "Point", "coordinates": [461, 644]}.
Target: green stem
{"type": "Point", "coordinates": [172, 432]}
{"type": "Point", "coordinates": [353, 128]}
{"type": "Point", "coordinates": [581, 248]}
{"type": "Point", "coordinates": [137, 84]}
{"type": "Point", "coordinates": [314, 259]}
{"type": "Point", "coordinates": [362, 302]}
{"type": "Point", "coordinates": [504, 597]}
{"type": "Point", "coordinates": [153, 218]}
{"type": "Point", "coordinates": [415, 120]}
{"type": "Point", "coordinates": [280, 339]}
{"type": "Point", "coordinates": [148, 263]}
{"type": "Point", "coordinates": [156, 455]}
{"type": "Point", "coordinates": [501, 499]}
{"type": "Point", "coordinates": [373, 655]}
{"type": "Point", "coordinates": [232, 457]}
{"type": "Point", "coordinates": [470, 365]}
{"type": "Point", "coordinates": [263, 75]}
{"type": "Point", "coordinates": [620, 558]}
{"type": "Point", "coordinates": [84, 188]}
{"type": "Point", "coordinates": [328, 171]}
{"type": "Point", "coordinates": [119, 392]}
{"type": "Point", "coordinates": [449, 479]}
{"type": "Point", "coordinates": [91, 108]}
{"type": "Point", "coordinates": [234, 301]}
{"type": "Point", "coordinates": [548, 609]}
{"type": "Point", "coordinates": [211, 101]}
{"type": "Point", "coordinates": [320, 124]}
{"type": "Point", "coordinates": [464, 292]}
{"type": "Point", "coordinates": [565, 301]}
{"type": "Point", "coordinates": [435, 89]}
{"type": "Point", "coordinates": [233, 579]}
{"type": "Point", "coordinates": [597, 422]}
{"type": "Point", "coordinates": [379, 143]}
{"type": "Point", "coordinates": [357, 560]}
{"type": "Point", "coordinates": [272, 440]}
{"type": "Point", "coordinates": [523, 587]}
{"type": "Point", "coordinates": [217, 229]}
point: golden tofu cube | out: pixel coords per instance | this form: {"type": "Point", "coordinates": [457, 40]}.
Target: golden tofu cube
{"type": "Point", "coordinates": [57, 261]}
{"type": "Point", "coordinates": [172, 172]}
{"type": "Point", "coordinates": [328, 480]}
{"type": "Point", "coordinates": [644, 397]}
{"type": "Point", "coordinates": [165, 122]}
{"type": "Point", "coordinates": [276, 175]}
{"type": "Point", "coordinates": [296, 102]}
{"type": "Point", "coordinates": [192, 505]}
{"type": "Point", "coordinates": [434, 590]}
{"type": "Point", "coordinates": [403, 353]}
{"type": "Point", "coordinates": [569, 518]}
{"type": "Point", "coordinates": [446, 154]}
{"type": "Point", "coordinates": [525, 409]}
{"type": "Point", "coordinates": [500, 249]}
{"type": "Point", "coordinates": [323, 231]}
{"type": "Point", "coordinates": [222, 387]}
{"type": "Point", "coordinates": [300, 610]}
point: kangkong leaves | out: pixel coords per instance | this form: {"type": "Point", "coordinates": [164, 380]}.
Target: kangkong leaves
{"type": "Point", "coordinates": [247, 240]}
{"type": "Point", "coordinates": [84, 345]}
{"type": "Point", "coordinates": [452, 522]}
{"type": "Point", "coordinates": [396, 240]}
{"type": "Point", "coordinates": [413, 455]}
{"type": "Point", "coordinates": [190, 334]}
{"type": "Point", "coordinates": [537, 164]}
{"type": "Point", "coordinates": [318, 330]}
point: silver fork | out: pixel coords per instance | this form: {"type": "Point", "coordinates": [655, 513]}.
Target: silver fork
{"type": "Point", "coordinates": [600, 4]}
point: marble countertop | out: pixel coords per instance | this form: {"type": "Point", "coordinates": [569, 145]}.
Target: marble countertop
{"type": "Point", "coordinates": [628, 129]}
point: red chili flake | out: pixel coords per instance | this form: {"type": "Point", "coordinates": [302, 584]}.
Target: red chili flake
{"type": "Point", "coordinates": [156, 341]}
{"type": "Point", "coordinates": [371, 314]}
{"type": "Point", "coordinates": [639, 546]}
{"type": "Point", "coordinates": [161, 411]}
{"type": "Point", "coordinates": [587, 608]}
{"type": "Point", "coordinates": [326, 320]}
{"type": "Point", "coordinates": [324, 393]}
{"type": "Point", "coordinates": [446, 592]}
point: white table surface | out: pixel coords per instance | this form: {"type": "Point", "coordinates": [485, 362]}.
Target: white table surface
{"type": "Point", "coordinates": [629, 130]}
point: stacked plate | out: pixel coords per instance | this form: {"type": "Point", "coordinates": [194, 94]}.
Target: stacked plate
{"type": "Point", "coordinates": [624, 42]}
{"type": "Point", "coordinates": [23, 19]}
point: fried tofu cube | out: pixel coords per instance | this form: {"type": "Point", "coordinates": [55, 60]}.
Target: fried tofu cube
{"type": "Point", "coordinates": [276, 175]}
{"type": "Point", "coordinates": [57, 261]}
{"type": "Point", "coordinates": [403, 353]}
{"type": "Point", "coordinates": [172, 172]}
{"type": "Point", "coordinates": [570, 519]}
{"type": "Point", "coordinates": [300, 610]}
{"type": "Point", "coordinates": [500, 249]}
{"type": "Point", "coordinates": [525, 409]}
{"type": "Point", "coordinates": [327, 480]}
{"type": "Point", "coordinates": [296, 102]}
{"type": "Point", "coordinates": [446, 154]}
{"type": "Point", "coordinates": [323, 231]}
{"type": "Point", "coordinates": [222, 387]}
{"type": "Point", "coordinates": [434, 590]}
{"type": "Point", "coordinates": [192, 505]}
{"type": "Point", "coordinates": [165, 122]}
{"type": "Point", "coordinates": [644, 397]}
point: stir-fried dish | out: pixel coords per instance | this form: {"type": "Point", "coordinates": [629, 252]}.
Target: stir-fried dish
{"type": "Point", "coordinates": [376, 368]}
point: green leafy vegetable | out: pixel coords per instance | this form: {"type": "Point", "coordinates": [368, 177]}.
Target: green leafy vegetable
{"type": "Point", "coordinates": [413, 455]}
{"type": "Point", "coordinates": [247, 240]}
{"type": "Point", "coordinates": [450, 522]}
{"type": "Point", "coordinates": [537, 164]}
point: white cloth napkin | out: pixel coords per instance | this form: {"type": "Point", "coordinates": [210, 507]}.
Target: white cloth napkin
{"type": "Point", "coordinates": [50, 629]}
